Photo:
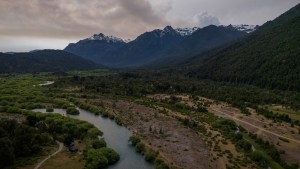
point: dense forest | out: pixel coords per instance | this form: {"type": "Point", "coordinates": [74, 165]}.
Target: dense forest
{"type": "Point", "coordinates": [20, 140]}
{"type": "Point", "coordinates": [138, 84]}
{"type": "Point", "coordinates": [268, 57]}
{"type": "Point", "coordinates": [43, 61]}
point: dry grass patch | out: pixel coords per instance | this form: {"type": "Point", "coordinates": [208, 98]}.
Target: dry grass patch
{"type": "Point", "coordinates": [65, 160]}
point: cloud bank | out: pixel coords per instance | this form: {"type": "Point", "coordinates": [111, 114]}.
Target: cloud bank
{"type": "Point", "coordinates": [77, 18]}
{"type": "Point", "coordinates": [204, 19]}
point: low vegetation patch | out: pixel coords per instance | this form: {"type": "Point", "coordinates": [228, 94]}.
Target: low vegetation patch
{"type": "Point", "coordinates": [149, 154]}
{"type": "Point", "coordinates": [72, 111]}
{"type": "Point", "coordinates": [100, 158]}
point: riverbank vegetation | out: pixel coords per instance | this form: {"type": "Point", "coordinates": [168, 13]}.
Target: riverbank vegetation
{"type": "Point", "coordinates": [21, 93]}
{"type": "Point", "coordinates": [149, 154]}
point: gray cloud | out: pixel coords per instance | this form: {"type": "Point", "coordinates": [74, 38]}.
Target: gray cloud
{"type": "Point", "coordinates": [228, 11]}
{"type": "Point", "coordinates": [77, 18]}
{"type": "Point", "coordinates": [204, 19]}
{"type": "Point", "coordinates": [163, 7]}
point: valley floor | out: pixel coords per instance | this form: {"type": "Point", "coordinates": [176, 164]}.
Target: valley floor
{"type": "Point", "coordinates": [187, 131]}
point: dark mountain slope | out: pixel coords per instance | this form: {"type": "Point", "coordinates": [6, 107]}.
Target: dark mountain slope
{"type": "Point", "coordinates": [145, 48]}
{"type": "Point", "coordinates": [268, 57]}
{"type": "Point", "coordinates": [43, 61]}
{"type": "Point", "coordinates": [203, 40]}
{"type": "Point", "coordinates": [95, 47]}
{"type": "Point", "coordinates": [158, 48]}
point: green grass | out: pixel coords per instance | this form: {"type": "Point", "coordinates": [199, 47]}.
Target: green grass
{"type": "Point", "coordinates": [295, 115]}
{"type": "Point", "coordinates": [98, 72]}
{"type": "Point", "coordinates": [273, 164]}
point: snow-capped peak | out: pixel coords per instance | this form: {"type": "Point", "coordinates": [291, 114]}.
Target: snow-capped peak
{"type": "Point", "coordinates": [186, 31]}
{"type": "Point", "coordinates": [109, 38]}
{"type": "Point", "coordinates": [166, 31]}
{"type": "Point", "coordinates": [245, 28]}
{"type": "Point", "coordinates": [127, 40]}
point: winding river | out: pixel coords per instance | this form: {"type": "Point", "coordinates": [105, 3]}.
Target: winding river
{"type": "Point", "coordinates": [116, 138]}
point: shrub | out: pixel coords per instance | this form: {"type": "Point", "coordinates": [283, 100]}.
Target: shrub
{"type": "Point", "coordinates": [95, 159]}
{"type": "Point", "coordinates": [202, 109]}
{"type": "Point", "coordinates": [134, 140]}
{"type": "Point", "coordinates": [150, 156]}
{"type": "Point", "coordinates": [105, 114]}
{"type": "Point", "coordinates": [94, 133]}
{"type": "Point", "coordinates": [72, 111]}
{"type": "Point", "coordinates": [96, 144]}
{"type": "Point", "coordinates": [160, 164]}
{"type": "Point", "coordinates": [111, 116]}
{"type": "Point", "coordinates": [49, 109]}
{"type": "Point", "coordinates": [259, 157]}
{"type": "Point", "coordinates": [140, 147]}
{"type": "Point", "coordinates": [68, 139]}
{"type": "Point", "coordinates": [110, 154]}
{"type": "Point", "coordinates": [118, 121]}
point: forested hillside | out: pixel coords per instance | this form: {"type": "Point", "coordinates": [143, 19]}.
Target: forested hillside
{"type": "Point", "coordinates": [269, 57]}
{"type": "Point", "coordinates": [201, 41]}
{"type": "Point", "coordinates": [43, 61]}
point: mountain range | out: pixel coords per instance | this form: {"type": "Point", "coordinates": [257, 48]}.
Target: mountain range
{"type": "Point", "coordinates": [158, 47]}
{"type": "Point", "coordinates": [151, 49]}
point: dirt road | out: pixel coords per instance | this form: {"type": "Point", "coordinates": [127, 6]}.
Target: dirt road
{"type": "Point", "coordinates": [61, 146]}
{"type": "Point", "coordinates": [221, 113]}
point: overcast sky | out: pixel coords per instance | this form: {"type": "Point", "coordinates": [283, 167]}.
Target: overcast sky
{"type": "Point", "coordinates": [37, 24]}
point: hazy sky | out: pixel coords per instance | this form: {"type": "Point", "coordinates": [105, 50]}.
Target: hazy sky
{"type": "Point", "coordinates": [37, 24]}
